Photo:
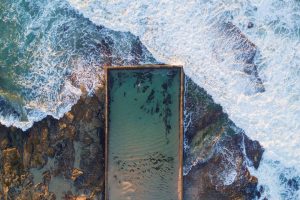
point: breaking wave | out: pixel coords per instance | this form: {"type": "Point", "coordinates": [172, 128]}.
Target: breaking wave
{"type": "Point", "coordinates": [246, 54]}
{"type": "Point", "coordinates": [48, 52]}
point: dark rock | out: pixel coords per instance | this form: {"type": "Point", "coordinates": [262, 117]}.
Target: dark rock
{"type": "Point", "coordinates": [225, 173]}
{"type": "Point", "coordinates": [250, 25]}
{"type": "Point", "coordinates": [217, 147]}
{"type": "Point", "coordinates": [254, 150]}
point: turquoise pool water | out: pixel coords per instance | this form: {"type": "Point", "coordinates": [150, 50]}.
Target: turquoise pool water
{"type": "Point", "coordinates": [143, 134]}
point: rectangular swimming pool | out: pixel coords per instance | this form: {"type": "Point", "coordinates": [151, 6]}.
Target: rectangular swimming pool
{"type": "Point", "coordinates": [144, 133]}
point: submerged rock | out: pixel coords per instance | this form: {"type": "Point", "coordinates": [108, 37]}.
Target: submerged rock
{"type": "Point", "coordinates": [11, 105]}
{"type": "Point", "coordinates": [244, 53]}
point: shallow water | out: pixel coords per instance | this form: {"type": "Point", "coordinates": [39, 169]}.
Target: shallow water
{"type": "Point", "coordinates": [143, 134]}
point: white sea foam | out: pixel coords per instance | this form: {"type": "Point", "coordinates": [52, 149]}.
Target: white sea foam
{"type": "Point", "coordinates": [190, 33]}
{"type": "Point", "coordinates": [59, 51]}
{"type": "Point", "coordinates": [44, 87]}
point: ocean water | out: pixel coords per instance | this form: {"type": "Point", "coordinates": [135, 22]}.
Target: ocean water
{"type": "Point", "coordinates": [246, 54]}
{"type": "Point", "coordinates": [144, 134]}
{"type": "Point", "coordinates": [47, 52]}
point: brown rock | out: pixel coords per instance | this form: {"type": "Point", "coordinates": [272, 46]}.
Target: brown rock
{"type": "Point", "coordinates": [11, 158]}
{"type": "Point", "coordinates": [44, 135]}
{"type": "Point", "coordinates": [37, 160]}
{"type": "Point", "coordinates": [47, 177]}
{"type": "Point", "coordinates": [69, 116]}
{"type": "Point", "coordinates": [84, 92]}
{"type": "Point", "coordinates": [68, 132]}
{"type": "Point", "coordinates": [81, 198]}
{"type": "Point", "coordinates": [27, 154]}
{"type": "Point", "coordinates": [50, 152]}
{"type": "Point", "coordinates": [4, 143]}
{"type": "Point", "coordinates": [88, 115]}
{"type": "Point", "coordinates": [100, 91]}
{"type": "Point", "coordinates": [12, 169]}
{"type": "Point", "coordinates": [62, 125]}
{"type": "Point", "coordinates": [76, 173]}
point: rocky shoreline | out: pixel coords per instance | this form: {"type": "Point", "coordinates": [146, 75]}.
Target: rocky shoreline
{"type": "Point", "coordinates": [56, 159]}
{"type": "Point", "coordinates": [64, 159]}
{"type": "Point", "coordinates": [220, 152]}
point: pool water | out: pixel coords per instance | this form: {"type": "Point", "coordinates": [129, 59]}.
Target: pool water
{"type": "Point", "coordinates": [144, 133]}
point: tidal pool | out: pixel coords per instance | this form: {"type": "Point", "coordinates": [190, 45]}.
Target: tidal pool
{"type": "Point", "coordinates": [144, 133]}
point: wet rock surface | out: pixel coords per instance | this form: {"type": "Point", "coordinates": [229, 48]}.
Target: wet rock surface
{"type": "Point", "coordinates": [224, 174]}
{"type": "Point", "coordinates": [56, 159]}
{"type": "Point", "coordinates": [218, 151]}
